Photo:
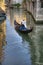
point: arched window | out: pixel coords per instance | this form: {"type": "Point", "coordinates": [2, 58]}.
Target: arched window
{"type": "Point", "coordinates": [41, 3]}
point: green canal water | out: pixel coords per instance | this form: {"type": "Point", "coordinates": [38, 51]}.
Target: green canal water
{"type": "Point", "coordinates": [17, 48]}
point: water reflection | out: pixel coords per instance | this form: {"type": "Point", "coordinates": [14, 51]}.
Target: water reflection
{"type": "Point", "coordinates": [22, 49]}
{"type": "Point", "coordinates": [35, 40]}
{"type": "Point", "coordinates": [17, 14]}
{"type": "Point", "coordinates": [37, 49]}
{"type": "Point", "coordinates": [2, 40]}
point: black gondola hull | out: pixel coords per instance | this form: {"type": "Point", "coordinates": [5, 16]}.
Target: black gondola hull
{"type": "Point", "coordinates": [17, 27]}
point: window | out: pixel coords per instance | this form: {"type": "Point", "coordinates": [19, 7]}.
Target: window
{"type": "Point", "coordinates": [41, 3]}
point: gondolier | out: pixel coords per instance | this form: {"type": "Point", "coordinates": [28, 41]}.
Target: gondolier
{"type": "Point", "coordinates": [23, 22]}
{"type": "Point", "coordinates": [22, 28]}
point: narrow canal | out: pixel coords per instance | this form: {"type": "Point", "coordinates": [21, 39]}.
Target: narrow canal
{"type": "Point", "coordinates": [17, 48]}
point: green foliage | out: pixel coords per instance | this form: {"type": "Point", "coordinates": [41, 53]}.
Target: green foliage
{"type": "Point", "coordinates": [24, 1]}
{"type": "Point", "coordinates": [17, 5]}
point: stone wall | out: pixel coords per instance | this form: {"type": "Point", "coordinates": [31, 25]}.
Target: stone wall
{"type": "Point", "coordinates": [31, 6]}
{"type": "Point", "coordinates": [35, 8]}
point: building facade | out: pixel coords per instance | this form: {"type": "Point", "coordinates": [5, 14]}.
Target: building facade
{"type": "Point", "coordinates": [36, 8]}
{"type": "Point", "coordinates": [13, 1]}
{"type": "Point", "coordinates": [2, 4]}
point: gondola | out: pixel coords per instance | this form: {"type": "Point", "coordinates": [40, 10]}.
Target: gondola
{"type": "Point", "coordinates": [22, 28]}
